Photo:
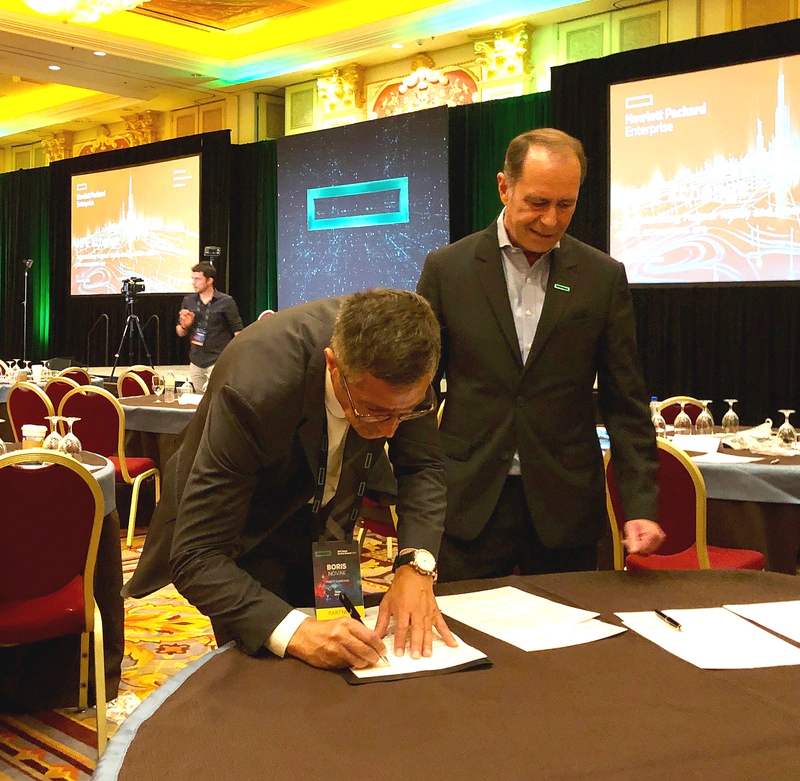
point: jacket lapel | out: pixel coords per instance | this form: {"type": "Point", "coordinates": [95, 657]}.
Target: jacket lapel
{"type": "Point", "coordinates": [560, 286]}
{"type": "Point", "coordinates": [311, 425]}
{"type": "Point", "coordinates": [490, 273]}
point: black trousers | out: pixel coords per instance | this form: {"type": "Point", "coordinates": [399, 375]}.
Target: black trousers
{"type": "Point", "coordinates": [507, 543]}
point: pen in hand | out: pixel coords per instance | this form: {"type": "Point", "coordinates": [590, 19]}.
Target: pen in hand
{"type": "Point", "coordinates": [669, 620]}
{"type": "Point", "coordinates": [355, 615]}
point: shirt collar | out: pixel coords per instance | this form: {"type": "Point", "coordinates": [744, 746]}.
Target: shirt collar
{"type": "Point", "coordinates": [504, 241]}
{"type": "Point", "coordinates": [331, 402]}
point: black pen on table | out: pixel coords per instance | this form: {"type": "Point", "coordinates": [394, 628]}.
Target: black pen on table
{"type": "Point", "coordinates": [669, 620]}
{"type": "Point", "coordinates": [354, 614]}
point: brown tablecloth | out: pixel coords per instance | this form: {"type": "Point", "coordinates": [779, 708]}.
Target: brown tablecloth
{"type": "Point", "coordinates": [620, 708]}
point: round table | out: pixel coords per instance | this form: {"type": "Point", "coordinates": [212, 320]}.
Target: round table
{"type": "Point", "coordinates": [614, 710]}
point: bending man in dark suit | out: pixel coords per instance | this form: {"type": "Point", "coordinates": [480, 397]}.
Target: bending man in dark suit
{"type": "Point", "coordinates": [238, 514]}
{"type": "Point", "coordinates": [529, 317]}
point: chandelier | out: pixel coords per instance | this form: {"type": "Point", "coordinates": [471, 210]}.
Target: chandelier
{"type": "Point", "coordinates": [81, 11]}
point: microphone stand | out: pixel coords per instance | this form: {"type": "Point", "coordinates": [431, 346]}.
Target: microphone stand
{"type": "Point", "coordinates": [28, 263]}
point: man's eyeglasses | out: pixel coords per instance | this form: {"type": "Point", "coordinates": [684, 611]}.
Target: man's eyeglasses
{"type": "Point", "coordinates": [425, 407]}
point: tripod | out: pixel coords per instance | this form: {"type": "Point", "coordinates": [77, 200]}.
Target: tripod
{"type": "Point", "coordinates": [130, 324]}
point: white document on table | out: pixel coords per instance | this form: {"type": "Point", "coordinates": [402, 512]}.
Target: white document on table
{"type": "Point", "coordinates": [723, 458]}
{"type": "Point", "coordinates": [443, 656]}
{"type": "Point", "coordinates": [780, 617]}
{"type": "Point", "coordinates": [697, 443]}
{"type": "Point", "coordinates": [190, 398]}
{"type": "Point", "coordinates": [713, 639]}
{"type": "Point", "coordinates": [529, 622]}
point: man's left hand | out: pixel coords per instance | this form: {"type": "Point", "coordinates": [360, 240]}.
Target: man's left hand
{"type": "Point", "coordinates": [410, 600]}
{"type": "Point", "coordinates": [643, 536]}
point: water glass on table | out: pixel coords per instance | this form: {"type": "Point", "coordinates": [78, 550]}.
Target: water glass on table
{"type": "Point", "coordinates": [158, 386]}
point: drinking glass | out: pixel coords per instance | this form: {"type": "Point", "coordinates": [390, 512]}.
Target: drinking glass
{"type": "Point", "coordinates": [682, 423]}
{"type": "Point", "coordinates": [730, 420]}
{"type": "Point", "coordinates": [70, 444]}
{"type": "Point", "coordinates": [158, 386]}
{"type": "Point", "coordinates": [53, 439]}
{"type": "Point", "coordinates": [786, 433]}
{"type": "Point", "coordinates": [705, 422]}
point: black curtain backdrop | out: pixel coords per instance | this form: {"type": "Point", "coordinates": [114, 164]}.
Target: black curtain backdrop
{"type": "Point", "coordinates": [711, 342]}
{"type": "Point", "coordinates": [24, 233]}
{"type": "Point", "coordinates": [254, 217]}
{"type": "Point", "coordinates": [72, 317]}
{"type": "Point", "coordinates": [478, 138]}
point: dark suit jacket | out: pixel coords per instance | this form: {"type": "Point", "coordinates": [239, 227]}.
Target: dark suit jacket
{"type": "Point", "coordinates": [495, 405]}
{"type": "Point", "coordinates": [247, 462]}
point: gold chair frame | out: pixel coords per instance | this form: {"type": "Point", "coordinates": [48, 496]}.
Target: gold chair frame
{"type": "Point", "coordinates": [662, 405]}
{"type": "Point", "coordinates": [92, 618]}
{"type": "Point", "coordinates": [699, 509]}
{"type": "Point", "coordinates": [130, 374]}
{"type": "Point", "coordinates": [137, 481]}
{"type": "Point", "coordinates": [28, 386]}
{"type": "Point", "coordinates": [75, 369]}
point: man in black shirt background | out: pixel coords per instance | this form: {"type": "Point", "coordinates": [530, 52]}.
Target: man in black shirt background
{"type": "Point", "coordinates": [210, 319]}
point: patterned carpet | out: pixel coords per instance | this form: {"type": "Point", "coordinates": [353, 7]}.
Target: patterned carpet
{"type": "Point", "coordinates": [163, 633]}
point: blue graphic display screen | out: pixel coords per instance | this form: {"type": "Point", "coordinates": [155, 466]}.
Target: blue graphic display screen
{"type": "Point", "coordinates": [361, 206]}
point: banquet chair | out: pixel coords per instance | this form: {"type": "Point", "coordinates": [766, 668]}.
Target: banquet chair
{"type": "Point", "coordinates": [378, 519]}
{"type": "Point", "coordinates": [81, 376]}
{"type": "Point", "coordinates": [266, 313]}
{"type": "Point", "coordinates": [669, 408]}
{"type": "Point", "coordinates": [146, 373]}
{"type": "Point", "coordinates": [131, 384]}
{"type": "Point", "coordinates": [47, 560]}
{"type": "Point", "coordinates": [682, 515]}
{"type": "Point", "coordinates": [27, 403]}
{"type": "Point", "coordinates": [101, 429]}
{"type": "Point", "coordinates": [57, 388]}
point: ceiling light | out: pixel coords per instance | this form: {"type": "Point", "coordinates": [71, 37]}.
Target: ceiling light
{"type": "Point", "coordinates": [99, 54]}
{"type": "Point", "coordinates": [54, 67]}
{"type": "Point", "coordinates": [81, 11]}
{"type": "Point", "coordinates": [397, 45]}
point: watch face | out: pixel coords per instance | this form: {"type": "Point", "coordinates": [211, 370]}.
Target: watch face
{"type": "Point", "coordinates": [425, 561]}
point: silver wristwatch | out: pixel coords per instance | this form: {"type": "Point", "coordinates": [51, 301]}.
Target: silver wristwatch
{"type": "Point", "coordinates": [419, 559]}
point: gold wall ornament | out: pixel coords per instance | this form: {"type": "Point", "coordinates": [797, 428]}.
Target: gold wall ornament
{"type": "Point", "coordinates": [81, 11]}
{"type": "Point", "coordinates": [507, 54]}
{"type": "Point", "coordinates": [142, 128]}
{"type": "Point", "coordinates": [343, 89]}
{"type": "Point", "coordinates": [423, 74]}
{"type": "Point", "coordinates": [57, 146]}
{"type": "Point", "coordinates": [104, 142]}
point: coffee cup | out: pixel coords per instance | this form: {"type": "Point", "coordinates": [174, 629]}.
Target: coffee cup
{"type": "Point", "coordinates": [33, 435]}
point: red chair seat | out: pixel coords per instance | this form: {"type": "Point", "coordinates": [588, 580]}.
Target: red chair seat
{"type": "Point", "coordinates": [41, 618]}
{"type": "Point", "coordinates": [135, 467]}
{"type": "Point", "coordinates": [721, 558]}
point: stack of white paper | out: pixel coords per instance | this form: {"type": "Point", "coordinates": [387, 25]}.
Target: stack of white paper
{"type": "Point", "coordinates": [780, 617]}
{"type": "Point", "coordinates": [529, 622]}
{"type": "Point", "coordinates": [713, 639]}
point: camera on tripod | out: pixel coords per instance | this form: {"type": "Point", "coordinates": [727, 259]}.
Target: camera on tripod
{"type": "Point", "coordinates": [132, 287]}
{"type": "Point", "coordinates": [209, 253]}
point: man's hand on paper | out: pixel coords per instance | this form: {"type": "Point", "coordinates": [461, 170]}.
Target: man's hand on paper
{"type": "Point", "coordinates": [410, 600]}
{"type": "Point", "coordinates": [643, 536]}
{"type": "Point", "coordinates": [334, 644]}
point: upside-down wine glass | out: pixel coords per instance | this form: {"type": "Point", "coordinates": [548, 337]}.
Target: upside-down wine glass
{"type": "Point", "coordinates": [157, 381]}
{"type": "Point", "coordinates": [730, 420]}
{"type": "Point", "coordinates": [53, 439]}
{"type": "Point", "coordinates": [786, 433]}
{"type": "Point", "coordinates": [682, 423]}
{"type": "Point", "coordinates": [705, 421]}
{"type": "Point", "coordinates": [70, 444]}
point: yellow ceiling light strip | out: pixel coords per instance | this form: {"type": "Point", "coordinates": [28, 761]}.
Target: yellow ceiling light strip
{"type": "Point", "coordinates": [251, 39]}
{"type": "Point", "coordinates": [22, 111]}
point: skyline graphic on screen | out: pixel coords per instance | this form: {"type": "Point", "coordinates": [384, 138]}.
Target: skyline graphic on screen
{"type": "Point", "coordinates": [139, 221]}
{"type": "Point", "coordinates": [705, 175]}
{"type": "Point", "coordinates": [361, 206]}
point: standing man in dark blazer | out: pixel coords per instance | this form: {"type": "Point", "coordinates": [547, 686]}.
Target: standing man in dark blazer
{"type": "Point", "coordinates": [529, 318]}
{"type": "Point", "coordinates": [246, 493]}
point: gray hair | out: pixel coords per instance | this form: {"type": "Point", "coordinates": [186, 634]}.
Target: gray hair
{"type": "Point", "coordinates": [392, 334]}
{"type": "Point", "coordinates": [555, 141]}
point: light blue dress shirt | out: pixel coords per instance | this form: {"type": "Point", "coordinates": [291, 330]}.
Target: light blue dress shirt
{"type": "Point", "coordinates": [526, 288]}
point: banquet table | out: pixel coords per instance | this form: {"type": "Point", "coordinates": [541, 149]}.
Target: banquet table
{"type": "Point", "coordinates": [616, 709]}
{"type": "Point", "coordinates": [44, 675]}
{"type": "Point", "coordinates": [152, 426]}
